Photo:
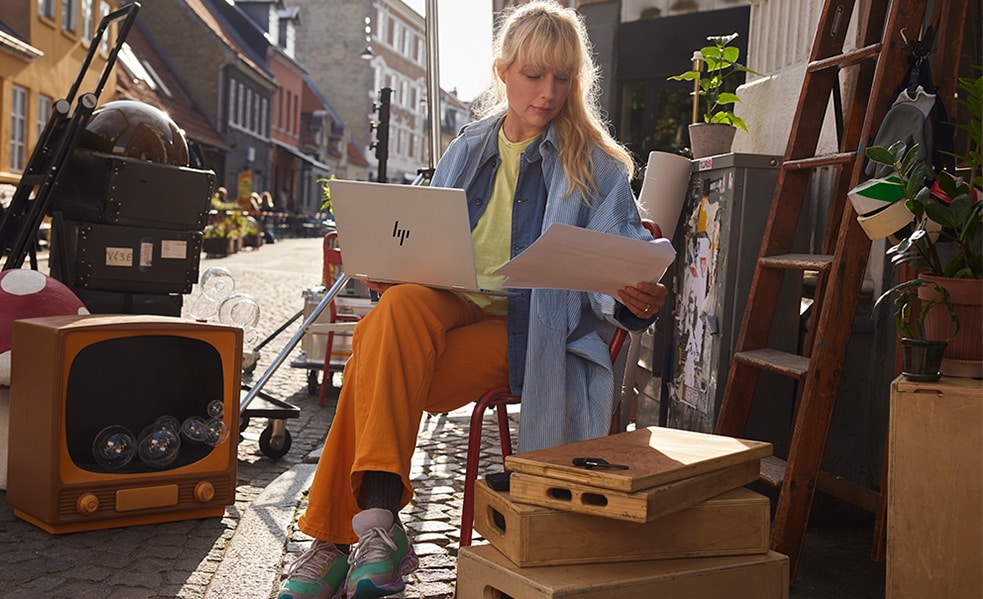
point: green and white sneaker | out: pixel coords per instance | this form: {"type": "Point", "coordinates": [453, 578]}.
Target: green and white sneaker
{"type": "Point", "coordinates": [382, 557]}
{"type": "Point", "coordinates": [317, 574]}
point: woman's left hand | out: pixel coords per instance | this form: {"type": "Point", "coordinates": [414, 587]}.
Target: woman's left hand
{"type": "Point", "coordinates": [644, 299]}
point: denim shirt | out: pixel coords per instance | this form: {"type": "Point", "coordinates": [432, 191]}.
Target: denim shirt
{"type": "Point", "coordinates": [553, 335]}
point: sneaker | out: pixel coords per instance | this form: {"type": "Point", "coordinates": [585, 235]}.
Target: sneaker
{"type": "Point", "coordinates": [382, 557]}
{"type": "Point", "coordinates": [317, 574]}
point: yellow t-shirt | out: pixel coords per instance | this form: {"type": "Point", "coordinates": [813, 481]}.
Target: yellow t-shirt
{"type": "Point", "coordinates": [492, 236]}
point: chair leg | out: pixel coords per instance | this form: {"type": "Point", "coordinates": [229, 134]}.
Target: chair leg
{"type": "Point", "coordinates": [488, 399]}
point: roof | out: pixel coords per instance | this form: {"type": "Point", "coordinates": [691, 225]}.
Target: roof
{"type": "Point", "coordinates": [178, 104]}
{"type": "Point", "coordinates": [9, 42]}
{"type": "Point", "coordinates": [228, 36]}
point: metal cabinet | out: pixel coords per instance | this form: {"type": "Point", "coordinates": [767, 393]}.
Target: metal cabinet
{"type": "Point", "coordinates": [717, 241]}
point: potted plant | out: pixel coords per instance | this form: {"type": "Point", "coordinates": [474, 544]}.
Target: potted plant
{"type": "Point", "coordinates": [224, 236]}
{"type": "Point", "coordinates": [921, 357]}
{"type": "Point", "coordinates": [942, 242]}
{"type": "Point", "coordinates": [716, 133]}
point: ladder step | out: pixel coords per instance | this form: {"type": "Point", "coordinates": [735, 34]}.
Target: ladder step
{"type": "Point", "coordinates": [848, 58]}
{"type": "Point", "coordinates": [814, 162]}
{"type": "Point", "coordinates": [818, 262]}
{"type": "Point", "coordinates": [786, 364]}
{"type": "Point", "coordinates": [772, 473]}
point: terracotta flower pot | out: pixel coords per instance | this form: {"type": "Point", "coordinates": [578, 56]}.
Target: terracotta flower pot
{"type": "Point", "coordinates": [964, 354]}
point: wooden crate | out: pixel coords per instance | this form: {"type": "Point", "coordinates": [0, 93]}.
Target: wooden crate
{"type": "Point", "coordinates": [484, 573]}
{"type": "Point", "coordinates": [935, 490]}
{"type": "Point", "coordinates": [735, 523]}
{"type": "Point", "coordinates": [645, 505]}
{"type": "Point", "coordinates": [655, 456]}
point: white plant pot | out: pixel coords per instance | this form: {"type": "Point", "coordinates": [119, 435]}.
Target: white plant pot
{"type": "Point", "coordinates": [711, 139]}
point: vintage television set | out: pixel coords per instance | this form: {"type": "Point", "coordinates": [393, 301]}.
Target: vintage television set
{"type": "Point", "coordinates": [120, 420]}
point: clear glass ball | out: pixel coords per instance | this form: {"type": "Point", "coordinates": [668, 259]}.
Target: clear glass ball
{"type": "Point", "coordinates": [216, 432]}
{"type": "Point", "coordinates": [114, 447]}
{"type": "Point", "coordinates": [193, 429]}
{"type": "Point", "coordinates": [159, 448]}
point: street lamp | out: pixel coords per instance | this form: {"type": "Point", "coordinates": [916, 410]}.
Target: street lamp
{"type": "Point", "coordinates": [367, 53]}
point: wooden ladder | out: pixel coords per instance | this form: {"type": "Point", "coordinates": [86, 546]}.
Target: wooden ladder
{"type": "Point", "coordinates": [871, 74]}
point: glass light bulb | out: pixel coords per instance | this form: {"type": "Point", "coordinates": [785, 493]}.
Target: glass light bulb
{"type": "Point", "coordinates": [114, 447]}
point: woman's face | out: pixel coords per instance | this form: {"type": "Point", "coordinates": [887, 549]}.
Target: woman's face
{"type": "Point", "coordinates": [535, 97]}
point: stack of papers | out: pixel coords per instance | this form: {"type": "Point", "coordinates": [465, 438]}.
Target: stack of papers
{"type": "Point", "coordinates": [568, 257]}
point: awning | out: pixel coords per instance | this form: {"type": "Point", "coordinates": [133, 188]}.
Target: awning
{"type": "Point", "coordinates": [302, 156]}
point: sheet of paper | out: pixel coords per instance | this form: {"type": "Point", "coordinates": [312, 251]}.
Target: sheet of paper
{"type": "Point", "coordinates": [567, 257]}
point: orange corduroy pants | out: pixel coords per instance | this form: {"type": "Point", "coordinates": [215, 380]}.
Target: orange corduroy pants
{"type": "Point", "coordinates": [418, 350]}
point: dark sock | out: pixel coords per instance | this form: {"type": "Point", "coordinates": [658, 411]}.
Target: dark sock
{"type": "Point", "coordinates": [382, 490]}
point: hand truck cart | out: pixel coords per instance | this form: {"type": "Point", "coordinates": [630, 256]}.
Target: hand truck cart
{"type": "Point", "coordinates": [275, 440]}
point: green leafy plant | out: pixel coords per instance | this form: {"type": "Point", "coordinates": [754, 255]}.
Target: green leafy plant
{"type": "Point", "coordinates": [910, 312]}
{"type": "Point", "coordinates": [326, 194]}
{"type": "Point", "coordinates": [232, 225]}
{"type": "Point", "coordinates": [721, 63]}
{"type": "Point", "coordinates": [943, 238]}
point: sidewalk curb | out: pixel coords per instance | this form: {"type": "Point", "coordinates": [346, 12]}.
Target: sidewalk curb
{"type": "Point", "coordinates": [250, 564]}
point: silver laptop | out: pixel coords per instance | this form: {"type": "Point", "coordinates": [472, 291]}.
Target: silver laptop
{"type": "Point", "coordinates": [405, 234]}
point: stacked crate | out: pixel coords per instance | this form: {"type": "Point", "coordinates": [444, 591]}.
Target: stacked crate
{"type": "Point", "coordinates": [676, 522]}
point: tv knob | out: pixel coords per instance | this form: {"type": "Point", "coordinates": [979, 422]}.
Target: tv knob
{"type": "Point", "coordinates": [204, 492]}
{"type": "Point", "coordinates": [87, 504]}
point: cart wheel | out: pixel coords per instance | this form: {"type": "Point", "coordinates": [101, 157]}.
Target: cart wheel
{"type": "Point", "coordinates": [248, 369]}
{"type": "Point", "coordinates": [265, 444]}
{"type": "Point", "coordinates": [243, 423]}
{"type": "Point", "coordinates": [313, 384]}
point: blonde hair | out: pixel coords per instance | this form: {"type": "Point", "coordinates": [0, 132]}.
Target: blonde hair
{"type": "Point", "coordinates": [547, 36]}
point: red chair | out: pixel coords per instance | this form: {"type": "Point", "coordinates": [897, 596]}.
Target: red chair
{"type": "Point", "coordinates": [500, 398]}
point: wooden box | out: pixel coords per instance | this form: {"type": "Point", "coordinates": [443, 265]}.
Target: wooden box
{"type": "Point", "coordinates": [935, 490]}
{"type": "Point", "coordinates": [641, 506]}
{"type": "Point", "coordinates": [484, 573]}
{"type": "Point", "coordinates": [654, 456]}
{"type": "Point", "coordinates": [735, 523]}
{"type": "Point", "coordinates": [667, 470]}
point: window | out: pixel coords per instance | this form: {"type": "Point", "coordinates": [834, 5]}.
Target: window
{"type": "Point", "coordinates": [69, 15]}
{"type": "Point", "coordinates": [104, 42]}
{"type": "Point", "coordinates": [44, 112]}
{"type": "Point", "coordinates": [241, 102]}
{"type": "Point", "coordinates": [232, 103]}
{"type": "Point", "coordinates": [246, 121]}
{"type": "Point", "coordinates": [295, 124]}
{"type": "Point", "coordinates": [262, 118]}
{"type": "Point", "coordinates": [279, 109]}
{"type": "Point", "coordinates": [46, 8]}
{"type": "Point", "coordinates": [18, 128]}
{"type": "Point", "coordinates": [88, 21]}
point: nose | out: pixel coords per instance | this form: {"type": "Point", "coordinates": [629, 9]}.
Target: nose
{"type": "Point", "coordinates": [548, 89]}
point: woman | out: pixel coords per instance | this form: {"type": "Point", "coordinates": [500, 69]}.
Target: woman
{"type": "Point", "coordinates": [541, 155]}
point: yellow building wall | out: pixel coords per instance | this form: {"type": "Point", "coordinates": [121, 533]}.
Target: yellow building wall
{"type": "Point", "coordinates": [51, 75]}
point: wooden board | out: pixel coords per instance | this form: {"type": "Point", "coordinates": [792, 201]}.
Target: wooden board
{"type": "Point", "coordinates": [735, 523]}
{"type": "Point", "coordinates": [483, 572]}
{"type": "Point", "coordinates": [654, 456]}
{"type": "Point", "coordinates": [935, 490]}
{"type": "Point", "coordinates": [641, 506]}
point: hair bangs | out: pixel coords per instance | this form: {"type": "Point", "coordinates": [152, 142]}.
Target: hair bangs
{"type": "Point", "coordinates": [548, 45]}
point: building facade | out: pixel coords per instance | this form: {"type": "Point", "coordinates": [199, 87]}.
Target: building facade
{"type": "Point", "coordinates": [353, 49]}
{"type": "Point", "coordinates": [43, 44]}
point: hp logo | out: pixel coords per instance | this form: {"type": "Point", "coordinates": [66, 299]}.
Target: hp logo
{"type": "Point", "coordinates": [402, 234]}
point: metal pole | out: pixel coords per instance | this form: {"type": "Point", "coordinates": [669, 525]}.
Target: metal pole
{"type": "Point", "coordinates": [433, 83]}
